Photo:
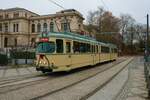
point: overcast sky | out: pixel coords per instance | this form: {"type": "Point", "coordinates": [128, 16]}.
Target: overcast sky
{"type": "Point", "coordinates": [137, 8]}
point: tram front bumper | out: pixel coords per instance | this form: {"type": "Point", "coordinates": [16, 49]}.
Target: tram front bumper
{"type": "Point", "coordinates": [42, 68]}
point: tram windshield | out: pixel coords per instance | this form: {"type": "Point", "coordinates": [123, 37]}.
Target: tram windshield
{"type": "Point", "coordinates": [46, 47]}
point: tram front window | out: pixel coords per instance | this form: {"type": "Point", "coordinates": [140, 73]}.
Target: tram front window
{"type": "Point", "coordinates": [46, 47]}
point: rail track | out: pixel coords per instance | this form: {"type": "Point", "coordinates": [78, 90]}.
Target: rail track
{"type": "Point", "coordinates": [13, 86]}
{"type": "Point", "coordinates": [75, 83]}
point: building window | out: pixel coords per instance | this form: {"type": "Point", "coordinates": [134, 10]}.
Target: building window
{"type": "Point", "coordinates": [6, 16]}
{"type": "Point", "coordinates": [0, 26]}
{"type": "Point", "coordinates": [25, 14]}
{"type": "Point", "coordinates": [79, 26]}
{"type": "Point", "coordinates": [16, 15]}
{"type": "Point", "coordinates": [1, 16]}
{"type": "Point", "coordinates": [6, 27]}
{"type": "Point", "coordinates": [65, 27]}
{"type": "Point", "coordinates": [45, 27]}
{"type": "Point", "coordinates": [51, 27]}
{"type": "Point", "coordinates": [14, 28]}
{"type": "Point", "coordinates": [15, 43]}
{"type": "Point", "coordinates": [17, 27]}
{"type": "Point", "coordinates": [33, 42]}
{"type": "Point", "coordinates": [5, 42]}
{"type": "Point", "coordinates": [33, 28]}
{"type": "Point", "coordinates": [39, 27]}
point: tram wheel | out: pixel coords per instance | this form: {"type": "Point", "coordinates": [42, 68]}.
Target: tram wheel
{"type": "Point", "coordinates": [43, 71]}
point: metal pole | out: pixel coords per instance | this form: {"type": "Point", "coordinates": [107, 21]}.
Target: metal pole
{"type": "Point", "coordinates": [146, 40]}
{"type": "Point", "coordinates": [147, 33]}
{"type": "Point", "coordinates": [132, 38]}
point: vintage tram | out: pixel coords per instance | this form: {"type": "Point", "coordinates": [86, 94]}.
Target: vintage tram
{"type": "Point", "coordinates": [64, 51]}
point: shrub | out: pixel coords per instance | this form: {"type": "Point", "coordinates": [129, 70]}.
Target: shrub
{"type": "Point", "coordinates": [3, 59]}
{"type": "Point", "coordinates": [22, 55]}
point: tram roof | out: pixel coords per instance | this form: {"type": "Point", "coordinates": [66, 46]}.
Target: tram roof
{"type": "Point", "coordinates": [74, 36]}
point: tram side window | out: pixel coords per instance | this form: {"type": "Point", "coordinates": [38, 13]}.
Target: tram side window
{"type": "Point", "coordinates": [76, 47]}
{"type": "Point", "coordinates": [68, 47]}
{"type": "Point", "coordinates": [88, 48]}
{"type": "Point", "coordinates": [93, 48]}
{"type": "Point", "coordinates": [104, 49]}
{"type": "Point", "coordinates": [45, 47]}
{"type": "Point", "coordinates": [96, 48]}
{"type": "Point", "coordinates": [82, 47]}
{"type": "Point", "coordinates": [59, 45]}
{"type": "Point", "coordinates": [112, 50]}
{"type": "Point", "coordinates": [115, 50]}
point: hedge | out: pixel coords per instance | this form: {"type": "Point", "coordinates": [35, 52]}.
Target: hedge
{"type": "Point", "coordinates": [22, 55]}
{"type": "Point", "coordinates": [3, 59]}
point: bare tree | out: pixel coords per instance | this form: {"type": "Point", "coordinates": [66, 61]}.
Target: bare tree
{"type": "Point", "coordinates": [126, 21]}
{"type": "Point", "coordinates": [104, 21]}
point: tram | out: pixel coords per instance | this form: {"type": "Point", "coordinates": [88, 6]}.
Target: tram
{"type": "Point", "coordinates": [64, 51]}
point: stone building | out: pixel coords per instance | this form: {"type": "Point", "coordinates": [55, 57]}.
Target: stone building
{"type": "Point", "coordinates": [19, 27]}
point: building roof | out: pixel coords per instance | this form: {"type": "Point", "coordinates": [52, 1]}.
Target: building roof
{"type": "Point", "coordinates": [18, 9]}
{"type": "Point", "coordinates": [60, 14]}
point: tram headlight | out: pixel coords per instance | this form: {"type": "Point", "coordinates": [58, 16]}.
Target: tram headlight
{"type": "Point", "coordinates": [44, 62]}
{"type": "Point", "coordinates": [40, 62]}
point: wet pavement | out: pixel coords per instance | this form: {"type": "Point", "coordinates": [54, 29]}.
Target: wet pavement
{"type": "Point", "coordinates": [130, 84]}
{"type": "Point", "coordinates": [10, 72]}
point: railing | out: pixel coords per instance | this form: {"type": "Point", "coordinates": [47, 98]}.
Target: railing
{"type": "Point", "coordinates": [147, 73]}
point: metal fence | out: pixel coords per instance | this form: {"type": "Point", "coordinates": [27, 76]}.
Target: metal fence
{"type": "Point", "coordinates": [22, 57]}
{"type": "Point", "coordinates": [17, 56]}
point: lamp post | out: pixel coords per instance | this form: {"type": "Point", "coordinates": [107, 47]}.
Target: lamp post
{"type": "Point", "coordinates": [146, 41]}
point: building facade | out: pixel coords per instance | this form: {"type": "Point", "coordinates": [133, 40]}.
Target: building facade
{"type": "Point", "coordinates": [19, 27]}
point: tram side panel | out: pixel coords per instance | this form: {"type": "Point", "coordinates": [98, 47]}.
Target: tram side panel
{"type": "Point", "coordinates": [80, 60]}
{"type": "Point", "coordinates": [104, 57]}
{"type": "Point", "coordinates": [60, 62]}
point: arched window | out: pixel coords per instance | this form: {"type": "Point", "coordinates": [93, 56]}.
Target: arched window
{"type": "Point", "coordinates": [5, 42]}
{"type": "Point", "coordinates": [38, 27]}
{"type": "Point", "coordinates": [15, 42]}
{"type": "Point", "coordinates": [45, 27]}
{"type": "Point", "coordinates": [0, 26]}
{"type": "Point", "coordinates": [51, 27]}
{"type": "Point", "coordinates": [65, 26]}
{"type": "Point", "coordinates": [33, 28]}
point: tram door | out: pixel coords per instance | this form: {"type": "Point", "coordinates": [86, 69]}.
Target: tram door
{"type": "Point", "coordinates": [93, 54]}
{"type": "Point", "coordinates": [68, 52]}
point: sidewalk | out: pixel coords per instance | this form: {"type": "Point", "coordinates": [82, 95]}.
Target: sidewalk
{"type": "Point", "coordinates": [137, 83]}
{"type": "Point", "coordinates": [127, 85]}
{"type": "Point", "coordinates": [10, 72]}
